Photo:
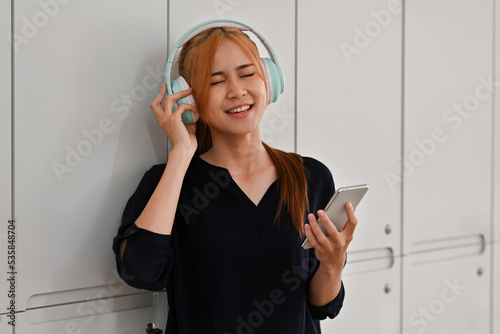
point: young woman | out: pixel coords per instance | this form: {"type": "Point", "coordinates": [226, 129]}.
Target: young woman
{"type": "Point", "coordinates": [220, 226]}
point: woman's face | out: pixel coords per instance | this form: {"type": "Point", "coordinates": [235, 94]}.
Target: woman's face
{"type": "Point", "coordinates": [237, 97]}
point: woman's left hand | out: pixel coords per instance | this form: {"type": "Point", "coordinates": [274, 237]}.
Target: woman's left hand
{"type": "Point", "coordinates": [330, 250]}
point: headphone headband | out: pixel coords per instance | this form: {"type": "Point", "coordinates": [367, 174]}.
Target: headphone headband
{"type": "Point", "coordinates": [212, 24]}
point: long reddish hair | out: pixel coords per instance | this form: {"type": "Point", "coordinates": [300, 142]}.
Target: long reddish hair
{"type": "Point", "coordinates": [195, 65]}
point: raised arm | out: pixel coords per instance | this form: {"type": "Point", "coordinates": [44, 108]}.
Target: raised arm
{"type": "Point", "coordinates": [158, 215]}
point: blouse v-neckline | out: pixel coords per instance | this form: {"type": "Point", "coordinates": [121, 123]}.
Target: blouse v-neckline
{"type": "Point", "coordinates": [236, 185]}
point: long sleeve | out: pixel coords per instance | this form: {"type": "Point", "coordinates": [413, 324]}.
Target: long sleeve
{"type": "Point", "coordinates": [331, 309]}
{"type": "Point", "coordinates": [321, 189]}
{"type": "Point", "coordinates": [148, 257]}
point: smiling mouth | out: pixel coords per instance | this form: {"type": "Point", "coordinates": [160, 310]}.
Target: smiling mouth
{"type": "Point", "coordinates": [240, 110]}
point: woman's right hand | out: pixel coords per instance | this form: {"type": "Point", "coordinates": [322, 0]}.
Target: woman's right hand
{"type": "Point", "coordinates": [182, 137]}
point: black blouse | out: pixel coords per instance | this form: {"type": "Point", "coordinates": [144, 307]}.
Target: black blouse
{"type": "Point", "coordinates": [227, 268]}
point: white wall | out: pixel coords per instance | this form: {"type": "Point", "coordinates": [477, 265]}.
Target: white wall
{"type": "Point", "coordinates": [349, 117]}
{"type": "Point", "coordinates": [5, 159]}
{"type": "Point", "coordinates": [496, 289]}
{"type": "Point", "coordinates": [448, 159]}
{"type": "Point", "coordinates": [368, 88]}
{"type": "Point", "coordinates": [448, 153]}
{"type": "Point", "coordinates": [80, 147]}
{"type": "Point", "coordinates": [496, 194]}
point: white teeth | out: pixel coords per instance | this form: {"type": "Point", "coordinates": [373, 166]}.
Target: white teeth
{"type": "Point", "coordinates": [239, 110]}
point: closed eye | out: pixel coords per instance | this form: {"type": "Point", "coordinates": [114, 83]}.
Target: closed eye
{"type": "Point", "coordinates": [216, 82]}
{"type": "Point", "coordinates": [221, 81]}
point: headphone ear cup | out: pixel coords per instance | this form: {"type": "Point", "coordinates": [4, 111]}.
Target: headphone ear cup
{"type": "Point", "coordinates": [274, 85]}
{"type": "Point", "coordinates": [178, 85]}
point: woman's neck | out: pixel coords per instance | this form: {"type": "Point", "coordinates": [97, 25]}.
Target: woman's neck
{"type": "Point", "coordinates": [240, 156]}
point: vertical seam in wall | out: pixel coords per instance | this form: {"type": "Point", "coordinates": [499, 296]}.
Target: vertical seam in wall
{"type": "Point", "coordinates": [12, 88]}
{"type": "Point", "coordinates": [295, 77]}
{"type": "Point", "coordinates": [12, 128]}
{"type": "Point", "coordinates": [168, 53]}
{"type": "Point", "coordinates": [403, 20]}
{"type": "Point", "coordinates": [492, 214]}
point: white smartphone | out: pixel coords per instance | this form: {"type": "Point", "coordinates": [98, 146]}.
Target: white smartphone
{"type": "Point", "coordinates": [335, 209]}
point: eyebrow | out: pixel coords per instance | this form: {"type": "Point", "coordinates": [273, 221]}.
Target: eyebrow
{"type": "Point", "coordinates": [237, 69]}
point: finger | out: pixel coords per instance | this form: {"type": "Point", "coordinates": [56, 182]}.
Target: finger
{"type": "Point", "coordinates": [170, 99]}
{"type": "Point", "coordinates": [310, 236]}
{"type": "Point", "coordinates": [182, 108]}
{"type": "Point", "coordinates": [191, 128]}
{"type": "Point", "coordinates": [156, 104]}
{"type": "Point", "coordinates": [352, 221]}
{"type": "Point", "coordinates": [161, 94]}
{"type": "Point", "coordinates": [318, 232]}
{"type": "Point", "coordinates": [330, 227]}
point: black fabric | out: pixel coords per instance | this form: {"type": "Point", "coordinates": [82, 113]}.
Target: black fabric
{"type": "Point", "coordinates": [227, 268]}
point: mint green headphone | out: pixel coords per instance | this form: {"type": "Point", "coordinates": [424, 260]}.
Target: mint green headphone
{"type": "Point", "coordinates": [272, 70]}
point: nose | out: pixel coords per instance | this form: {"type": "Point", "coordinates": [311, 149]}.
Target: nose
{"type": "Point", "coordinates": [235, 89]}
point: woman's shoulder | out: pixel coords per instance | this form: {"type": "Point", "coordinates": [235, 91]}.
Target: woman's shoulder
{"type": "Point", "coordinates": [155, 171]}
{"type": "Point", "coordinates": [151, 177]}
{"type": "Point", "coordinates": [320, 183]}
{"type": "Point", "coordinates": [316, 167]}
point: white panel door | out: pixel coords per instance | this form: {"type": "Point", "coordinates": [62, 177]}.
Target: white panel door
{"type": "Point", "coordinates": [84, 136]}
{"type": "Point", "coordinates": [496, 199]}
{"type": "Point", "coordinates": [5, 158]}
{"type": "Point", "coordinates": [447, 291]}
{"type": "Point", "coordinates": [496, 288]}
{"type": "Point", "coordinates": [5, 327]}
{"type": "Point", "coordinates": [373, 294]}
{"type": "Point", "coordinates": [496, 193]}
{"type": "Point", "coordinates": [447, 122]}
{"type": "Point", "coordinates": [113, 315]}
{"type": "Point", "coordinates": [349, 105]}
{"type": "Point", "coordinates": [275, 20]}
